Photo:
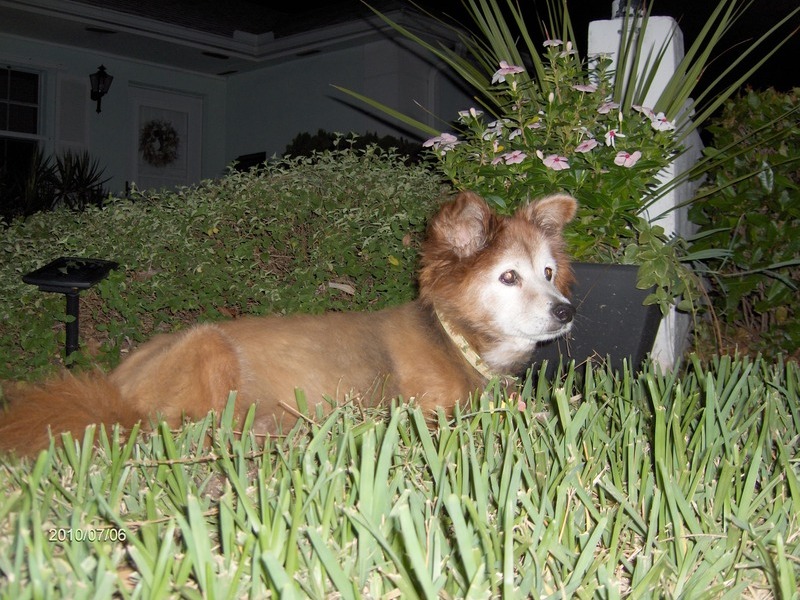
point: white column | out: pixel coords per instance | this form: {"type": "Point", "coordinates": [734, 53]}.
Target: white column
{"type": "Point", "coordinates": [604, 38]}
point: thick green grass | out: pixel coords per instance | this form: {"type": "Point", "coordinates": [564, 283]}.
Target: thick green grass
{"type": "Point", "coordinates": [605, 486]}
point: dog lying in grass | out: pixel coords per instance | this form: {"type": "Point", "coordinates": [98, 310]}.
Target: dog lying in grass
{"type": "Point", "coordinates": [491, 288]}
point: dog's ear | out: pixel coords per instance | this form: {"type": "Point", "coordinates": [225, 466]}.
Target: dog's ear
{"type": "Point", "coordinates": [463, 225]}
{"type": "Point", "coordinates": [550, 213]}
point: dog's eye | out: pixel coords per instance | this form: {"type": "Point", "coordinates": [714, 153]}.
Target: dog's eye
{"type": "Point", "coordinates": [548, 273]}
{"type": "Point", "coordinates": [509, 277]}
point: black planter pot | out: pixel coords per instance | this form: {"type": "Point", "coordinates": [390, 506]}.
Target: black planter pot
{"type": "Point", "coordinates": [611, 323]}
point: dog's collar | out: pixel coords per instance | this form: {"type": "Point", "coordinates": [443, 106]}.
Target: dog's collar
{"type": "Point", "coordinates": [466, 349]}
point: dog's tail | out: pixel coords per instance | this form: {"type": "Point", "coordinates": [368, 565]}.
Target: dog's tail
{"type": "Point", "coordinates": [68, 404]}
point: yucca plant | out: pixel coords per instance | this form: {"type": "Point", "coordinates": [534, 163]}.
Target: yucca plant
{"type": "Point", "coordinates": [78, 181]}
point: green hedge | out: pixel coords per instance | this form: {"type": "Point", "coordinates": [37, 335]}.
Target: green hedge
{"type": "Point", "coordinates": [266, 241]}
{"type": "Point", "coordinates": [752, 209]}
{"type": "Point", "coordinates": [632, 486]}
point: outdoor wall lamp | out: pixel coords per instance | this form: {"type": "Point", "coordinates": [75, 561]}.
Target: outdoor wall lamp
{"type": "Point", "coordinates": [101, 82]}
{"type": "Point", "coordinates": [620, 7]}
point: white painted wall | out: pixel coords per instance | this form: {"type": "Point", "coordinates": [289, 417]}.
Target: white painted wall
{"type": "Point", "coordinates": [256, 111]}
{"type": "Point", "coordinates": [269, 107]}
{"type": "Point", "coordinates": [110, 134]}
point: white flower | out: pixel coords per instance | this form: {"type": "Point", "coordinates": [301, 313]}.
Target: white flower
{"type": "Point", "coordinates": [645, 110]}
{"type": "Point", "coordinates": [569, 50]}
{"type": "Point", "coordinates": [611, 137]}
{"type": "Point", "coordinates": [444, 142]}
{"type": "Point", "coordinates": [472, 112]}
{"type": "Point", "coordinates": [493, 130]}
{"type": "Point", "coordinates": [661, 123]}
{"type": "Point", "coordinates": [607, 107]}
{"type": "Point", "coordinates": [504, 70]}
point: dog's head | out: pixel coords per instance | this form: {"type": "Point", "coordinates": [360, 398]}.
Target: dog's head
{"type": "Point", "coordinates": [502, 281]}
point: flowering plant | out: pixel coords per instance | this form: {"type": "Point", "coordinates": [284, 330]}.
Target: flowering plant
{"type": "Point", "coordinates": [569, 136]}
{"type": "Point", "coordinates": [562, 124]}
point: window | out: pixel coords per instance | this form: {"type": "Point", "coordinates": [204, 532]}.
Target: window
{"type": "Point", "coordinates": [19, 130]}
{"type": "Point", "coordinates": [19, 101]}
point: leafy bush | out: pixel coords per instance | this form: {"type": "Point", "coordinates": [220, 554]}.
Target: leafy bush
{"type": "Point", "coordinates": [649, 486]}
{"type": "Point", "coordinates": [306, 144]}
{"type": "Point", "coordinates": [336, 231]}
{"type": "Point", "coordinates": [750, 207]}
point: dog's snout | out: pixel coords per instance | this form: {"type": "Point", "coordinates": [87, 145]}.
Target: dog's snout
{"type": "Point", "coordinates": [563, 312]}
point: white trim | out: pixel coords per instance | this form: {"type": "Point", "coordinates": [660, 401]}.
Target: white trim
{"type": "Point", "coordinates": [102, 56]}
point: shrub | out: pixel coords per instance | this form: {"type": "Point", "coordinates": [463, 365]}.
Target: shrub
{"type": "Point", "coordinates": [335, 231]}
{"type": "Point", "coordinates": [750, 207]}
{"type": "Point", "coordinates": [306, 144]}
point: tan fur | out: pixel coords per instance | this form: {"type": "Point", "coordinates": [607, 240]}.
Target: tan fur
{"type": "Point", "coordinates": [401, 351]}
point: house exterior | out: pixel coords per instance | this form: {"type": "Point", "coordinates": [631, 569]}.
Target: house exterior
{"type": "Point", "coordinates": [198, 83]}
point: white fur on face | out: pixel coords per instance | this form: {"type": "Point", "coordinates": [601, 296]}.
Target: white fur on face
{"type": "Point", "coordinates": [517, 295]}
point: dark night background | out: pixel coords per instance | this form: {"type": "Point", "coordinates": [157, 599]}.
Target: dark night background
{"type": "Point", "coordinates": [781, 71]}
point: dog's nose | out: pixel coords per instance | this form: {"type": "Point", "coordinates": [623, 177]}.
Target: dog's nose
{"type": "Point", "coordinates": [563, 312]}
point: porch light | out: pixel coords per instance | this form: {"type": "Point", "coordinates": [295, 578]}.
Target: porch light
{"type": "Point", "coordinates": [620, 7]}
{"type": "Point", "coordinates": [101, 82]}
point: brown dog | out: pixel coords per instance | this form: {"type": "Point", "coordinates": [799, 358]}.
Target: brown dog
{"type": "Point", "coordinates": [491, 287]}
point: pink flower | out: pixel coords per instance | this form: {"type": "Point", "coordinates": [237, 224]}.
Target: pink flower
{"type": "Point", "coordinates": [504, 70]}
{"type": "Point", "coordinates": [611, 137]}
{"type": "Point", "coordinates": [586, 145]}
{"type": "Point", "coordinates": [661, 123]}
{"type": "Point", "coordinates": [553, 42]}
{"type": "Point", "coordinates": [556, 162]}
{"type": "Point", "coordinates": [585, 87]}
{"type": "Point", "coordinates": [444, 142]}
{"type": "Point", "coordinates": [625, 159]}
{"type": "Point", "coordinates": [515, 157]}
{"type": "Point", "coordinates": [607, 107]}
{"type": "Point", "coordinates": [645, 110]}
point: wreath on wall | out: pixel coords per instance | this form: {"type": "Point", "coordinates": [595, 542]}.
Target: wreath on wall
{"type": "Point", "coordinates": [158, 143]}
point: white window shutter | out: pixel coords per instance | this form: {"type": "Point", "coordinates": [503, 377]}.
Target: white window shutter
{"type": "Point", "coordinates": [72, 101]}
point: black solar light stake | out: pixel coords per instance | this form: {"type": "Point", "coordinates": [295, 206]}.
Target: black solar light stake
{"type": "Point", "coordinates": [68, 276]}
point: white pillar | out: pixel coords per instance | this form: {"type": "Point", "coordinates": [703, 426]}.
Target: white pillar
{"type": "Point", "coordinates": [604, 38]}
